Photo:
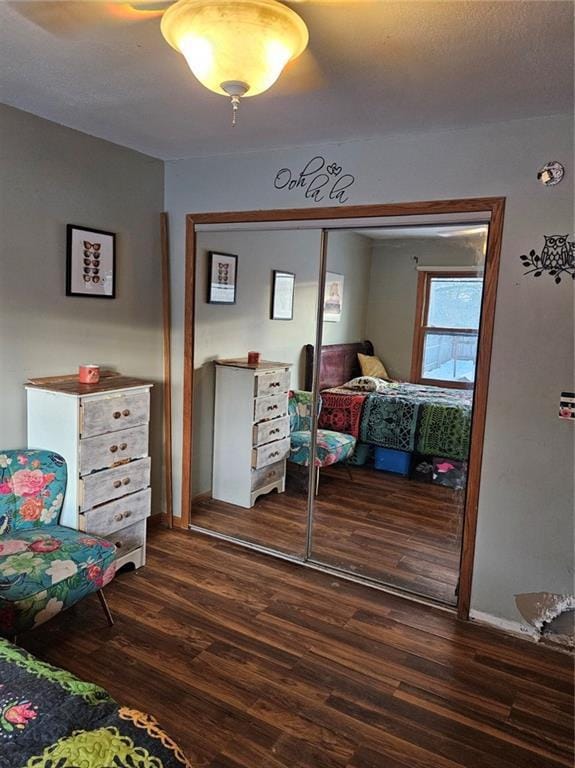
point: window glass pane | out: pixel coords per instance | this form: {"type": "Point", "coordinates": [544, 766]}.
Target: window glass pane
{"type": "Point", "coordinates": [449, 357]}
{"type": "Point", "coordinates": [454, 302]}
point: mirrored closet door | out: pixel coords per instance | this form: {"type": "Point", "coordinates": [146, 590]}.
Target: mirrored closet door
{"type": "Point", "coordinates": [256, 291]}
{"type": "Point", "coordinates": [399, 344]}
{"type": "Point", "coordinates": [339, 387]}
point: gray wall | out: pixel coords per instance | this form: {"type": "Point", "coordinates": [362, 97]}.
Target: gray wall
{"type": "Point", "coordinates": [232, 331]}
{"type": "Point", "coordinates": [525, 527]}
{"type": "Point", "coordinates": [52, 176]}
{"type": "Point", "coordinates": [349, 254]}
{"type": "Point", "coordinates": [393, 290]}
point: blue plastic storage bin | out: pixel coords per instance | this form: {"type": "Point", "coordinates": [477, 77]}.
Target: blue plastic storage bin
{"type": "Point", "coordinates": [391, 460]}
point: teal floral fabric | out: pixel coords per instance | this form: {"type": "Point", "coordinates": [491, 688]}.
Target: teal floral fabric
{"type": "Point", "coordinates": [299, 409]}
{"type": "Point", "coordinates": [331, 447]}
{"type": "Point", "coordinates": [44, 567]}
{"type": "Point", "coordinates": [32, 488]}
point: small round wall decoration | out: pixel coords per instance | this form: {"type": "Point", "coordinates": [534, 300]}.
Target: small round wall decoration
{"type": "Point", "coordinates": [551, 173]}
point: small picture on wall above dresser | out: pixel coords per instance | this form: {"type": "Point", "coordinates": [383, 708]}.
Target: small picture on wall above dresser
{"type": "Point", "coordinates": [223, 271]}
{"type": "Point", "coordinates": [333, 300]}
{"type": "Point", "coordinates": [282, 295]}
{"type": "Point", "coordinates": [90, 263]}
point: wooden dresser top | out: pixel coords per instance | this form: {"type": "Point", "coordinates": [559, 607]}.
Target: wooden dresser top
{"type": "Point", "coordinates": [263, 365]}
{"type": "Point", "coordinates": [69, 385]}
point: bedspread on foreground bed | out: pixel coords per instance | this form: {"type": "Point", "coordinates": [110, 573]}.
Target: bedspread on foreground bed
{"type": "Point", "coordinates": [50, 719]}
{"type": "Point", "coordinates": [407, 417]}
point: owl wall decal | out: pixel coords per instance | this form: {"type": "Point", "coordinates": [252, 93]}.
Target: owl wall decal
{"type": "Point", "coordinates": [556, 252]}
{"type": "Point", "coordinates": [557, 258]}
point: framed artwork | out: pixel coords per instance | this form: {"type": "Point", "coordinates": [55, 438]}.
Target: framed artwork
{"type": "Point", "coordinates": [90, 262]}
{"type": "Point", "coordinates": [282, 295]}
{"type": "Point", "coordinates": [333, 298]}
{"type": "Point", "coordinates": [222, 278]}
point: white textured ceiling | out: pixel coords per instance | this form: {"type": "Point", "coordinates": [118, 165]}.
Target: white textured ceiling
{"type": "Point", "coordinates": [378, 67]}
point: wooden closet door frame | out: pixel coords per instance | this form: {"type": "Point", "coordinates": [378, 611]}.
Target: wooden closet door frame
{"type": "Point", "coordinates": [495, 207]}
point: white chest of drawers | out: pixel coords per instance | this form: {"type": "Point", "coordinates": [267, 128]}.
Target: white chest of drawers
{"type": "Point", "coordinates": [102, 432]}
{"type": "Point", "coordinates": [251, 430]}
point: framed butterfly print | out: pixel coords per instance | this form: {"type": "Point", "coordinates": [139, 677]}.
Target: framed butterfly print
{"type": "Point", "coordinates": [222, 278]}
{"type": "Point", "coordinates": [90, 263]}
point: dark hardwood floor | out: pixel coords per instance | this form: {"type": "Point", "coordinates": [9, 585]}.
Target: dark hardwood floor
{"type": "Point", "coordinates": [254, 662]}
{"type": "Point", "coordinates": [402, 532]}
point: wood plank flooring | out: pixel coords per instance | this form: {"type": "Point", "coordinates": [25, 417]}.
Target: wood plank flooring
{"type": "Point", "coordinates": [254, 662]}
{"type": "Point", "coordinates": [386, 527]}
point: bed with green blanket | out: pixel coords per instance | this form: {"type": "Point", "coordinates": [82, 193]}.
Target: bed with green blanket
{"type": "Point", "coordinates": [435, 421]}
{"type": "Point", "coordinates": [51, 719]}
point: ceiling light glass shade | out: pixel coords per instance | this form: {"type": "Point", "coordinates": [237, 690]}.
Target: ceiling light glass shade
{"type": "Point", "coordinates": [235, 42]}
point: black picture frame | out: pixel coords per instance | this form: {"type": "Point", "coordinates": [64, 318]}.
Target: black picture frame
{"type": "Point", "coordinates": [219, 291]}
{"type": "Point", "coordinates": [276, 311]}
{"type": "Point", "coordinates": [92, 269]}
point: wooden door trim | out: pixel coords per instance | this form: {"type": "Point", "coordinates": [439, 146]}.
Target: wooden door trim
{"type": "Point", "coordinates": [483, 366]}
{"type": "Point", "coordinates": [420, 304]}
{"type": "Point", "coordinates": [188, 385]}
{"type": "Point", "coordinates": [495, 206]}
{"type": "Point", "coordinates": [167, 367]}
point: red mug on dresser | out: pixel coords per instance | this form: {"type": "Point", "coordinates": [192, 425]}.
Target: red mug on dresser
{"type": "Point", "coordinates": [89, 373]}
{"type": "Point", "coordinates": [254, 358]}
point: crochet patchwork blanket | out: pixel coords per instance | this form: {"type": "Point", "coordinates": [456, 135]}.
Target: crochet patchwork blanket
{"type": "Point", "coordinates": [51, 719]}
{"type": "Point", "coordinates": [341, 412]}
{"type": "Point", "coordinates": [404, 417]}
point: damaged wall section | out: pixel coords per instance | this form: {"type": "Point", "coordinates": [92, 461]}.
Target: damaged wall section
{"type": "Point", "coordinates": [551, 616]}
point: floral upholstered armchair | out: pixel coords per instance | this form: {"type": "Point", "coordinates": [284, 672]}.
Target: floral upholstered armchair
{"type": "Point", "coordinates": [331, 447]}
{"type": "Point", "coordinates": [44, 567]}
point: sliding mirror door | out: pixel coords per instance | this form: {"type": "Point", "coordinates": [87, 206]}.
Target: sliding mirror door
{"type": "Point", "coordinates": [256, 292]}
{"type": "Point", "coordinates": [396, 380]}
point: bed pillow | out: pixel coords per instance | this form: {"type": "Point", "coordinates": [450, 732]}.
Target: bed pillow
{"type": "Point", "coordinates": [372, 366]}
{"type": "Point", "coordinates": [366, 384]}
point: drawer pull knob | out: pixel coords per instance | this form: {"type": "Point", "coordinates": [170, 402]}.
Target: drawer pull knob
{"type": "Point", "coordinates": [126, 412]}
{"type": "Point", "coordinates": [118, 517]}
{"type": "Point", "coordinates": [113, 448]}
{"type": "Point", "coordinates": [117, 483]}
{"type": "Point", "coordinates": [123, 446]}
{"type": "Point", "coordinates": [272, 407]}
{"type": "Point", "coordinates": [274, 431]}
{"type": "Point", "coordinates": [127, 514]}
{"type": "Point", "coordinates": [275, 453]}
{"type": "Point", "coordinates": [117, 414]}
{"type": "Point", "coordinates": [126, 481]}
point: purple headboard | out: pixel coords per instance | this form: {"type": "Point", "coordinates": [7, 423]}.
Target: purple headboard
{"type": "Point", "coordinates": [338, 363]}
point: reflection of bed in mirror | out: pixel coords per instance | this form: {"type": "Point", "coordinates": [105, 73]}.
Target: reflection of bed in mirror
{"type": "Point", "coordinates": [403, 416]}
{"type": "Point", "coordinates": [400, 519]}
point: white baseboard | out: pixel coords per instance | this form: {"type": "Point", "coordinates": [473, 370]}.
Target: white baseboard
{"type": "Point", "coordinates": [505, 625]}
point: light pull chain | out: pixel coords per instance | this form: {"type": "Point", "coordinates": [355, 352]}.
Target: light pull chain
{"type": "Point", "coordinates": [235, 107]}
{"type": "Point", "coordinates": [235, 89]}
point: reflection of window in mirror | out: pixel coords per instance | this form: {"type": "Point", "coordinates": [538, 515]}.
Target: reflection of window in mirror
{"type": "Point", "coordinates": [447, 328]}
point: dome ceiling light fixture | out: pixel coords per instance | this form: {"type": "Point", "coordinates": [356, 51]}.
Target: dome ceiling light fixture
{"type": "Point", "coordinates": [237, 48]}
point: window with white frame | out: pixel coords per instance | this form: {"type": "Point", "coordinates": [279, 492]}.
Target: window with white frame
{"type": "Point", "coordinates": [447, 328]}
